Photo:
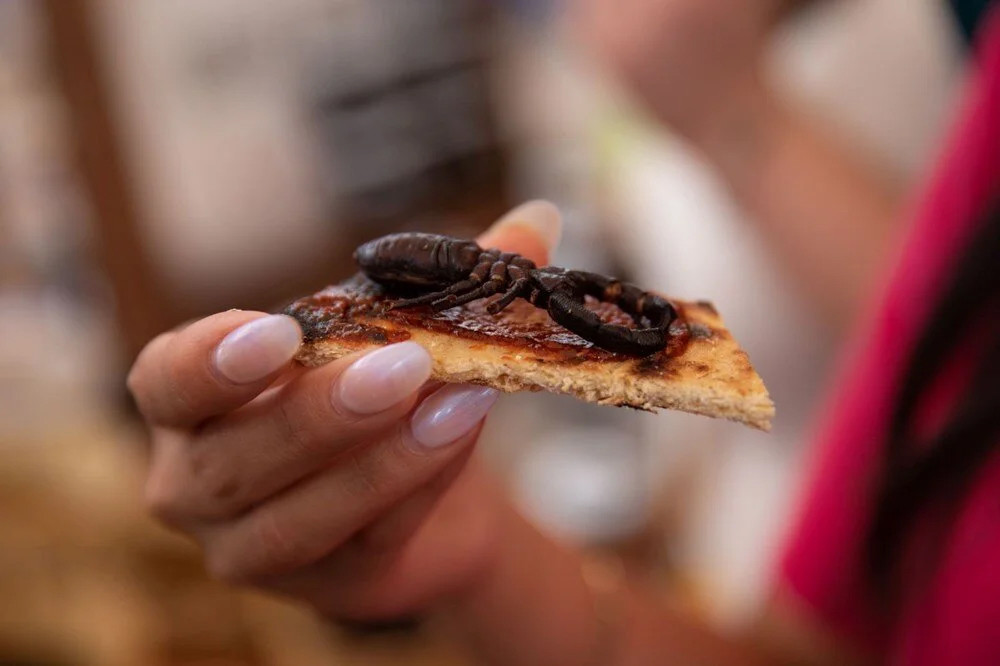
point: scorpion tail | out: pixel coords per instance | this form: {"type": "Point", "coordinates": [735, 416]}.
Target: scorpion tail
{"type": "Point", "coordinates": [574, 315]}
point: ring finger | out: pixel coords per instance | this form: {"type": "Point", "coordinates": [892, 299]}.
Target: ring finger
{"type": "Point", "coordinates": [309, 520]}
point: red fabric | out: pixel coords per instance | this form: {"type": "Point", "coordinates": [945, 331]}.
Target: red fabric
{"type": "Point", "coordinates": [955, 617]}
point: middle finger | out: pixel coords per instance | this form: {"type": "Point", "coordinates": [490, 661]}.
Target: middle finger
{"type": "Point", "coordinates": [309, 520]}
{"type": "Point", "coordinates": [287, 433]}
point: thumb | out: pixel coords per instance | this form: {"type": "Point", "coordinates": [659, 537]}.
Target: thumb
{"type": "Point", "coordinates": [532, 230]}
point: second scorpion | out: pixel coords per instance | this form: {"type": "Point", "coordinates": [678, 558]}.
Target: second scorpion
{"type": "Point", "coordinates": [452, 271]}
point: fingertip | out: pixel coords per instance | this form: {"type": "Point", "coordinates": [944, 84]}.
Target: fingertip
{"type": "Point", "coordinates": [450, 413]}
{"type": "Point", "coordinates": [258, 348]}
{"type": "Point", "coordinates": [532, 229]}
{"type": "Point", "coordinates": [542, 216]}
{"type": "Point", "coordinates": [212, 365]}
{"type": "Point", "coordinates": [383, 378]}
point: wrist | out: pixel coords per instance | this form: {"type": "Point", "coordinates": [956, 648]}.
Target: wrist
{"type": "Point", "coordinates": [535, 590]}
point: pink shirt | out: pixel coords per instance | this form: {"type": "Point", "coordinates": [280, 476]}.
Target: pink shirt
{"type": "Point", "coordinates": [955, 617]}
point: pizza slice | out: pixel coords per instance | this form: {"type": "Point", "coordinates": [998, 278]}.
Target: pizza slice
{"type": "Point", "coordinates": [701, 369]}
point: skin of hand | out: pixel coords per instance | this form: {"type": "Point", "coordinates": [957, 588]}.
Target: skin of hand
{"type": "Point", "coordinates": [692, 61]}
{"type": "Point", "coordinates": [347, 486]}
{"type": "Point", "coordinates": [828, 213]}
{"type": "Point", "coordinates": [352, 488]}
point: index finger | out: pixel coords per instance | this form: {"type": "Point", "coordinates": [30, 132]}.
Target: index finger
{"type": "Point", "coordinates": [181, 378]}
{"type": "Point", "coordinates": [532, 230]}
{"type": "Point", "coordinates": [212, 366]}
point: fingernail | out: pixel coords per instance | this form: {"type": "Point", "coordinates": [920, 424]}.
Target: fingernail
{"type": "Point", "coordinates": [258, 348]}
{"type": "Point", "coordinates": [383, 378]}
{"type": "Point", "coordinates": [541, 216]}
{"type": "Point", "coordinates": [450, 412]}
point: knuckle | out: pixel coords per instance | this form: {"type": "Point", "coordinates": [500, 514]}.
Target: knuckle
{"type": "Point", "coordinates": [389, 468]}
{"type": "Point", "coordinates": [280, 549]}
{"type": "Point", "coordinates": [188, 485]}
{"type": "Point", "coordinates": [177, 384]}
{"type": "Point", "coordinates": [295, 428]}
{"type": "Point", "coordinates": [141, 400]}
{"type": "Point", "coordinates": [313, 427]}
{"type": "Point", "coordinates": [133, 381]}
{"type": "Point", "coordinates": [370, 478]}
{"type": "Point", "coordinates": [136, 384]}
{"type": "Point", "coordinates": [163, 500]}
{"type": "Point", "coordinates": [137, 380]}
{"type": "Point", "coordinates": [219, 488]}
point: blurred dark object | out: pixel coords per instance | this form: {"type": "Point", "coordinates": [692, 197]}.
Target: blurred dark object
{"type": "Point", "coordinates": [410, 140]}
{"type": "Point", "coordinates": [969, 14]}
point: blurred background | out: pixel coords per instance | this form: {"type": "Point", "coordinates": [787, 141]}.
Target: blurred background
{"type": "Point", "coordinates": [164, 160]}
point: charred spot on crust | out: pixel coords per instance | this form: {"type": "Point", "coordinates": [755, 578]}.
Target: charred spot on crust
{"type": "Point", "coordinates": [311, 320]}
{"type": "Point", "coordinates": [338, 315]}
{"type": "Point", "coordinates": [658, 365]}
{"type": "Point", "coordinates": [700, 331]}
{"type": "Point", "coordinates": [744, 363]}
{"type": "Point", "coordinates": [648, 366]}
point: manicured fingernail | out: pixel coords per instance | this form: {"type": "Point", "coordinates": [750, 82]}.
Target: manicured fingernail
{"type": "Point", "coordinates": [450, 412]}
{"type": "Point", "coordinates": [541, 216]}
{"type": "Point", "coordinates": [258, 348]}
{"type": "Point", "coordinates": [383, 378]}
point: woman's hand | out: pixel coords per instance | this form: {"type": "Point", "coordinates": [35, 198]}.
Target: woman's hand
{"type": "Point", "coordinates": [346, 486]}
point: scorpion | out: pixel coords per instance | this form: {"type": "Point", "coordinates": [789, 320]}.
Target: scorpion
{"type": "Point", "coordinates": [447, 272]}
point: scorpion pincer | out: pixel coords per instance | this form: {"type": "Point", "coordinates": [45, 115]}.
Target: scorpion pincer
{"type": "Point", "coordinates": [448, 272]}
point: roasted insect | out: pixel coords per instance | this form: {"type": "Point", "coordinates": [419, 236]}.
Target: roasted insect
{"type": "Point", "coordinates": [452, 271]}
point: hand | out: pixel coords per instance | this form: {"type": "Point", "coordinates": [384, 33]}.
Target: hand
{"type": "Point", "coordinates": [346, 486]}
{"type": "Point", "coordinates": [693, 61]}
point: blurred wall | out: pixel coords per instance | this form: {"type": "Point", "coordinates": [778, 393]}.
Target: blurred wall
{"type": "Point", "coordinates": [210, 99]}
{"type": "Point", "coordinates": [266, 139]}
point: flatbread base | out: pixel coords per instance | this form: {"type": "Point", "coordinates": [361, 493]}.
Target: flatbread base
{"type": "Point", "coordinates": [702, 370]}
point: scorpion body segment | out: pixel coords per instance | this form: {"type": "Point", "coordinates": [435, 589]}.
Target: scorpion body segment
{"type": "Point", "coordinates": [447, 272]}
{"type": "Point", "coordinates": [418, 259]}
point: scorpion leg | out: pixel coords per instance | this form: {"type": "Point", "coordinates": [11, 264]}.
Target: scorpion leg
{"type": "Point", "coordinates": [517, 288]}
{"type": "Point", "coordinates": [475, 279]}
{"type": "Point", "coordinates": [498, 279]}
{"type": "Point", "coordinates": [572, 313]}
{"type": "Point", "coordinates": [452, 301]}
{"type": "Point", "coordinates": [437, 295]}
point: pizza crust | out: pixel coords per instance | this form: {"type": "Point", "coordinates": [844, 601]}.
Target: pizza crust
{"type": "Point", "coordinates": [522, 349]}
